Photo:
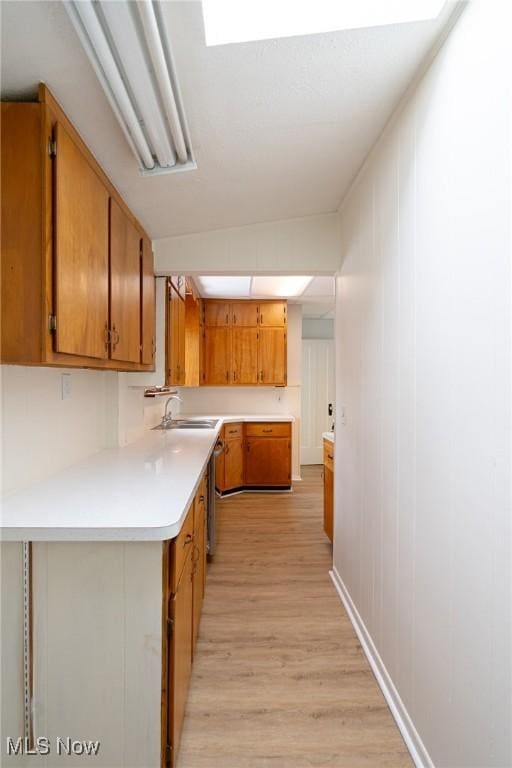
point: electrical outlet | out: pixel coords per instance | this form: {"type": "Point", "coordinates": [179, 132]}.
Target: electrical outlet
{"type": "Point", "coordinates": [65, 382]}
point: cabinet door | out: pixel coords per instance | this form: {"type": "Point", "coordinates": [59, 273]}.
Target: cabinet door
{"type": "Point", "coordinates": [244, 355]}
{"type": "Point", "coordinates": [272, 356]}
{"type": "Point", "coordinates": [273, 314]}
{"type": "Point", "coordinates": [216, 313]}
{"type": "Point", "coordinates": [268, 461]}
{"type": "Point", "coordinates": [199, 566]}
{"type": "Point", "coordinates": [81, 253]}
{"type": "Point", "coordinates": [244, 313]}
{"type": "Point", "coordinates": [148, 305]}
{"type": "Point", "coordinates": [328, 501]}
{"type": "Point", "coordinates": [234, 464]}
{"type": "Point", "coordinates": [180, 654]}
{"type": "Point", "coordinates": [220, 467]}
{"type": "Point", "coordinates": [125, 297]}
{"type": "Point", "coordinates": [172, 330]}
{"type": "Point", "coordinates": [181, 342]}
{"type": "Point", "coordinates": [217, 356]}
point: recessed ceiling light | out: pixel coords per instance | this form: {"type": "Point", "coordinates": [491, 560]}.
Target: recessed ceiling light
{"type": "Point", "coordinates": [233, 21]}
{"type": "Point", "coordinates": [284, 287]}
{"type": "Point", "coordinates": [222, 286]}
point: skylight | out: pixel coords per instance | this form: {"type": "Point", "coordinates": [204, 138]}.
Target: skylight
{"type": "Point", "coordinates": [229, 287]}
{"type": "Point", "coordinates": [233, 21]}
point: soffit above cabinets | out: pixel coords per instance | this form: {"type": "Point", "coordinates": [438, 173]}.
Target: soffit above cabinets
{"type": "Point", "coordinates": [279, 127]}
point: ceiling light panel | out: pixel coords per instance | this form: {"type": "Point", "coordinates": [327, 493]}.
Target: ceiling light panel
{"type": "Point", "coordinates": [129, 49]}
{"type": "Point", "coordinates": [280, 286]}
{"type": "Point", "coordinates": [224, 287]}
{"type": "Point", "coordinates": [233, 21]}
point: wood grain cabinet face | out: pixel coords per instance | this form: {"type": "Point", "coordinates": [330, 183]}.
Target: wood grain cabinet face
{"type": "Point", "coordinates": [272, 314]}
{"type": "Point", "coordinates": [217, 313]}
{"type": "Point", "coordinates": [81, 253]}
{"type": "Point", "coordinates": [255, 351]}
{"type": "Point", "coordinates": [180, 665]}
{"type": "Point", "coordinates": [272, 356]}
{"type": "Point", "coordinates": [267, 461]}
{"type": "Point", "coordinates": [217, 355]}
{"type": "Point", "coordinates": [328, 488]}
{"type": "Point", "coordinates": [234, 463]}
{"type": "Point", "coordinates": [244, 314]}
{"type": "Point", "coordinates": [175, 338]}
{"type": "Point", "coordinates": [244, 355]}
{"type": "Point", "coordinates": [148, 316]}
{"type": "Point", "coordinates": [125, 286]}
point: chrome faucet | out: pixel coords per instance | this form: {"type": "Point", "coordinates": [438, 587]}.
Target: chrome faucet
{"type": "Point", "coordinates": [167, 417]}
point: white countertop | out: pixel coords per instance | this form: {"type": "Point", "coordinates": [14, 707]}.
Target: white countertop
{"type": "Point", "coordinates": [137, 493]}
{"type": "Point", "coordinates": [328, 436]}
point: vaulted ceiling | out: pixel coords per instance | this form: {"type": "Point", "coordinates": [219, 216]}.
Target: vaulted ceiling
{"type": "Point", "coordinates": [279, 127]}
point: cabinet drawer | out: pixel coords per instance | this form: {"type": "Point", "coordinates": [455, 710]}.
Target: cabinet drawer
{"type": "Point", "coordinates": [180, 548]}
{"type": "Point", "coordinates": [232, 430]}
{"type": "Point", "coordinates": [269, 429]}
{"type": "Point", "coordinates": [329, 455]}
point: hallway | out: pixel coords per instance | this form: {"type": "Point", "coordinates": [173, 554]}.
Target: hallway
{"type": "Point", "coordinates": [279, 677]}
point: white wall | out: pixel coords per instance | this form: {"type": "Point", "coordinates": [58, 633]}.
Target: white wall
{"type": "Point", "coordinates": [422, 524]}
{"type": "Point", "coordinates": [41, 432]}
{"type": "Point", "coordinates": [309, 244]}
{"type": "Point", "coordinates": [317, 328]}
{"type": "Point", "coordinates": [259, 400]}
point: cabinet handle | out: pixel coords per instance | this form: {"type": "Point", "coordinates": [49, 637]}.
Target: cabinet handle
{"type": "Point", "coordinates": [115, 333]}
{"type": "Point", "coordinates": [153, 346]}
{"type": "Point", "coordinates": [227, 375]}
{"type": "Point", "coordinates": [234, 375]}
{"type": "Point", "coordinates": [227, 319]}
{"type": "Point", "coordinates": [248, 447]}
{"type": "Point", "coordinates": [329, 456]}
{"type": "Point", "coordinates": [261, 318]}
{"type": "Point", "coordinates": [107, 335]}
{"type": "Point", "coordinates": [234, 319]}
{"type": "Point", "coordinates": [201, 499]}
{"type": "Point", "coordinates": [261, 376]}
{"type": "Point", "coordinates": [267, 430]}
{"type": "Point", "coordinates": [188, 538]}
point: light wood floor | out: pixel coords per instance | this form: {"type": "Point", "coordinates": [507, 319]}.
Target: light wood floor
{"type": "Point", "coordinates": [279, 678]}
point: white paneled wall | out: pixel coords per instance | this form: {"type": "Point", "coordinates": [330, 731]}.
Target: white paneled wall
{"type": "Point", "coordinates": [310, 244]}
{"type": "Point", "coordinates": [423, 507]}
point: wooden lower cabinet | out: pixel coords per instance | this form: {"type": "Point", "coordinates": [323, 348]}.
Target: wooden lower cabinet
{"type": "Point", "coordinates": [328, 488]}
{"type": "Point", "coordinates": [184, 577]}
{"type": "Point", "coordinates": [268, 461]}
{"type": "Point", "coordinates": [180, 665]}
{"type": "Point", "coordinates": [256, 454]}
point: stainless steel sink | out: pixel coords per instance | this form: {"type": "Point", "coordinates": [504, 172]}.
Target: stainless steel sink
{"type": "Point", "coordinates": [189, 424]}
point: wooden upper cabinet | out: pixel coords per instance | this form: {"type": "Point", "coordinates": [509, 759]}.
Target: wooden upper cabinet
{"type": "Point", "coordinates": [181, 343]}
{"type": "Point", "coordinates": [65, 284]}
{"type": "Point", "coordinates": [272, 356]}
{"type": "Point", "coordinates": [148, 311]}
{"type": "Point", "coordinates": [172, 336]}
{"type": "Point", "coordinates": [81, 253]}
{"type": "Point", "coordinates": [273, 314]}
{"type": "Point", "coordinates": [217, 356]}
{"type": "Point", "coordinates": [193, 341]}
{"type": "Point", "coordinates": [244, 313]}
{"type": "Point", "coordinates": [125, 286]}
{"type": "Point", "coordinates": [244, 355]}
{"type": "Point", "coordinates": [217, 313]}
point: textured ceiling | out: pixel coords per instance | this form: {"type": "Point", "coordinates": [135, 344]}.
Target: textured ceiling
{"type": "Point", "coordinates": [279, 128]}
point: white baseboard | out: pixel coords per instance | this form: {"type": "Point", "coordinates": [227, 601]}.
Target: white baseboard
{"type": "Point", "coordinates": [403, 720]}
